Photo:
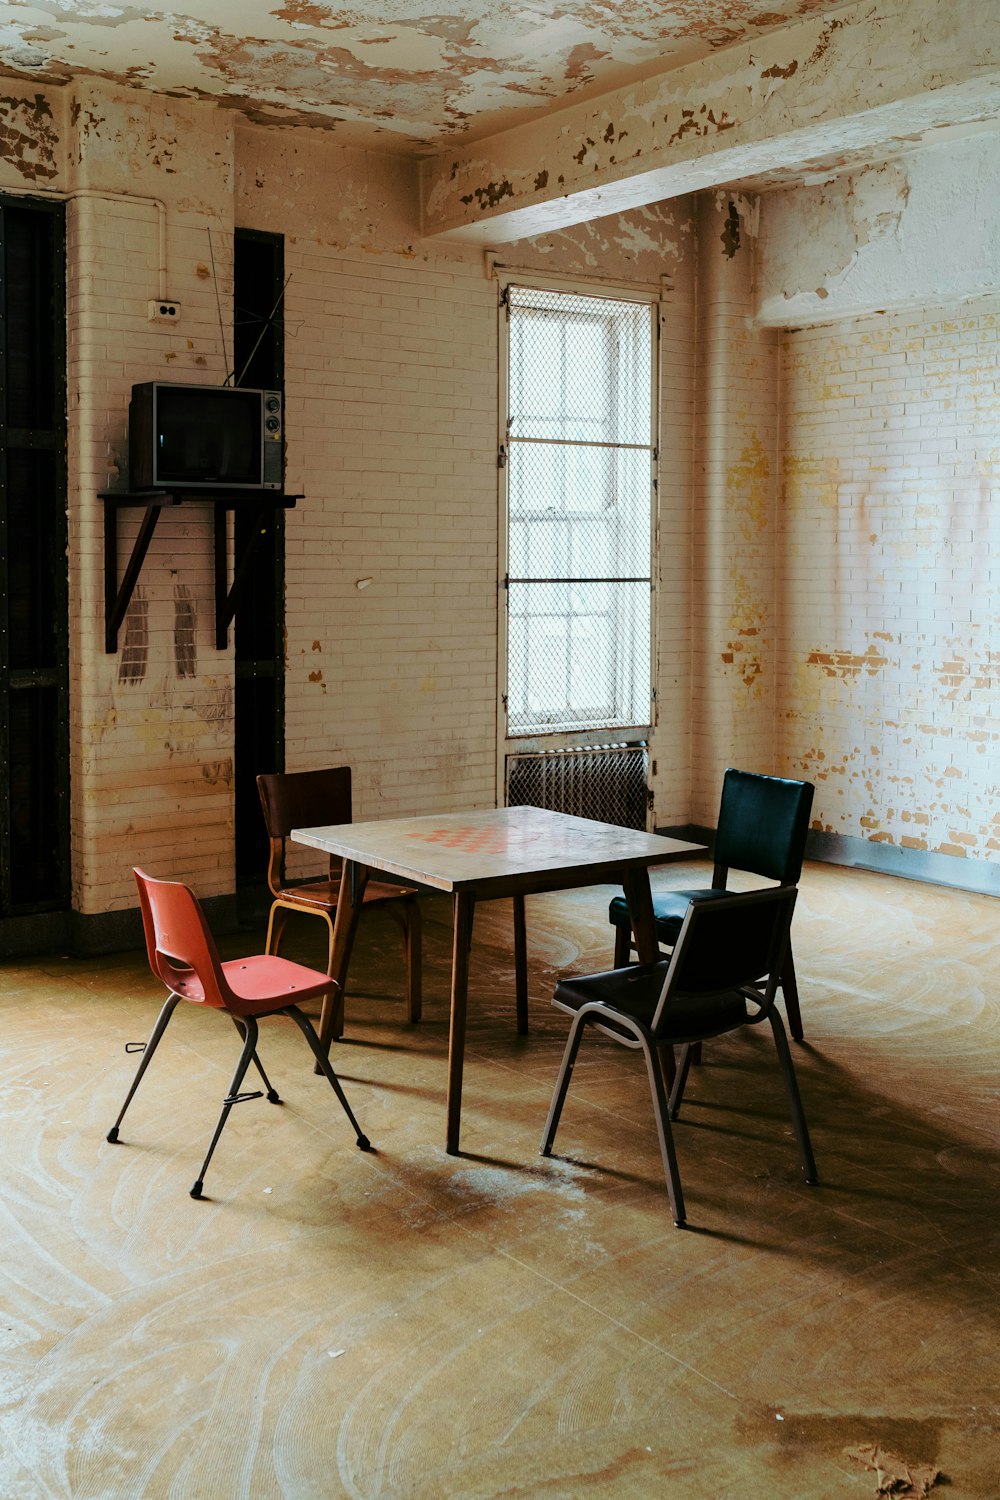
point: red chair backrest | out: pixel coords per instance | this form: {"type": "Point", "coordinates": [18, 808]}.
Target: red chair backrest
{"type": "Point", "coordinates": [182, 953]}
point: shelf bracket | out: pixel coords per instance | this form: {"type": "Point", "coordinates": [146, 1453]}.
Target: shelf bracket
{"type": "Point", "coordinates": [117, 597]}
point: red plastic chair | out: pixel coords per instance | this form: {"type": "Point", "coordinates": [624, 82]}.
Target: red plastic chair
{"type": "Point", "coordinates": [182, 954]}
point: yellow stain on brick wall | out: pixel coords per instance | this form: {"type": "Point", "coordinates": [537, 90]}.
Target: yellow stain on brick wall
{"type": "Point", "coordinates": [745, 657]}
{"type": "Point", "coordinates": [748, 488]}
{"type": "Point", "coordinates": [811, 481]}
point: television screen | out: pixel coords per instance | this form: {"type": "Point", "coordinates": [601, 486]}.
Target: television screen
{"type": "Point", "coordinates": [205, 435]}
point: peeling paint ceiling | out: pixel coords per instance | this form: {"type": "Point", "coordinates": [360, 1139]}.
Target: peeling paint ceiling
{"type": "Point", "coordinates": [397, 75]}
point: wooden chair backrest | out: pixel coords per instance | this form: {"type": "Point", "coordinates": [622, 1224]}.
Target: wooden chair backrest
{"type": "Point", "coordinates": [301, 799]}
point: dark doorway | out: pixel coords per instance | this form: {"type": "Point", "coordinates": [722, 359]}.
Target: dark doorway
{"type": "Point", "coordinates": [34, 634]}
{"type": "Point", "coordinates": [259, 623]}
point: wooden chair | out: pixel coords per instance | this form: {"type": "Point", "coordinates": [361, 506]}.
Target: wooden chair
{"type": "Point", "coordinates": [309, 799]}
{"type": "Point", "coordinates": [710, 985]}
{"type": "Point", "coordinates": [762, 827]}
{"type": "Point", "coordinates": [183, 956]}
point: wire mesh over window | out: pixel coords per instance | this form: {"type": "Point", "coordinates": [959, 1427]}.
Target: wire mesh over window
{"type": "Point", "coordinates": [579, 508]}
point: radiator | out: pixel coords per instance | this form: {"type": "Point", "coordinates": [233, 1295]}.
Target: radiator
{"type": "Point", "coordinates": [606, 782]}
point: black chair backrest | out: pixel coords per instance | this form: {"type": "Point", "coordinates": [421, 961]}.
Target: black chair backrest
{"type": "Point", "coordinates": [726, 943]}
{"type": "Point", "coordinates": [763, 822]}
{"type": "Point", "coordinates": [305, 799]}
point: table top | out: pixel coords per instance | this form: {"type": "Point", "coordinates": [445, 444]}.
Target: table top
{"type": "Point", "coordinates": [503, 850]}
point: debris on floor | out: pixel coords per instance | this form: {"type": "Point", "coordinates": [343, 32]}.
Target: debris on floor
{"type": "Point", "coordinates": [896, 1477]}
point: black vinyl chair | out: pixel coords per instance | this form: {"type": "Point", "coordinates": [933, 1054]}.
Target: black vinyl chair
{"type": "Point", "coordinates": [710, 985]}
{"type": "Point", "coordinates": [762, 827]}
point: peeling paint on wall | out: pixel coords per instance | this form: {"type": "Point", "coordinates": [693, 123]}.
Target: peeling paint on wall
{"type": "Point", "coordinates": [29, 141]}
{"type": "Point", "coordinates": [875, 239]}
{"type": "Point", "coordinates": [730, 235]}
{"type": "Point", "coordinates": [847, 665]}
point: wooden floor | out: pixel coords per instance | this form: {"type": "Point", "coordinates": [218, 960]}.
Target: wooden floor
{"type": "Point", "coordinates": [407, 1324]}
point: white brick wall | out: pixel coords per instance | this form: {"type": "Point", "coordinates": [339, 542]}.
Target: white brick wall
{"type": "Point", "coordinates": [391, 390]}
{"type": "Point", "coordinates": [890, 534]}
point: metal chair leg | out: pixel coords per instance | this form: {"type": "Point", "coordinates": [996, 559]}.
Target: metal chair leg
{"type": "Point", "coordinates": [680, 1082]}
{"type": "Point", "coordinates": [233, 1097]}
{"type": "Point", "coordinates": [668, 1155]}
{"type": "Point", "coordinates": [323, 1066]}
{"type": "Point", "coordinates": [562, 1084]}
{"type": "Point", "coordinates": [169, 1006]}
{"type": "Point", "coordinates": [272, 1093]}
{"type": "Point", "coordinates": [794, 1098]}
{"type": "Point", "coordinates": [790, 992]}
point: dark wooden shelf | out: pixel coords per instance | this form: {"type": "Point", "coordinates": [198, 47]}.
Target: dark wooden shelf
{"type": "Point", "coordinates": [117, 597]}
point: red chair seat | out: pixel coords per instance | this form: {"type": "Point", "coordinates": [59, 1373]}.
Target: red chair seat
{"type": "Point", "coordinates": [258, 982]}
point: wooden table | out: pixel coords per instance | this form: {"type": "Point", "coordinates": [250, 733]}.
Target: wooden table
{"type": "Point", "coordinates": [480, 856]}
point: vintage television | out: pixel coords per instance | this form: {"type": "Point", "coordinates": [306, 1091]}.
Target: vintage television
{"type": "Point", "coordinates": [205, 437]}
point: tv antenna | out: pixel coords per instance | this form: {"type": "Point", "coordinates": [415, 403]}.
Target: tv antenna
{"type": "Point", "coordinates": [268, 322]}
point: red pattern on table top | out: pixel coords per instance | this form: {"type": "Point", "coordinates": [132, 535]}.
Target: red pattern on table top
{"type": "Point", "coordinates": [473, 840]}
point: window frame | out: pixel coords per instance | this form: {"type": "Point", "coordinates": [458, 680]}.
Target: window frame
{"type": "Point", "coordinates": [518, 743]}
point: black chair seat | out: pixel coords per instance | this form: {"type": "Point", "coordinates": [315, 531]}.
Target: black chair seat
{"type": "Point", "coordinates": [636, 992]}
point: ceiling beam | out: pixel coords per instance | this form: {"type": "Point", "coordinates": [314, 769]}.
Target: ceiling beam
{"type": "Point", "coordinates": [875, 76]}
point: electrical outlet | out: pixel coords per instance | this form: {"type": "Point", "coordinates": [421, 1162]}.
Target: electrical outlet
{"type": "Point", "coordinates": [164, 312]}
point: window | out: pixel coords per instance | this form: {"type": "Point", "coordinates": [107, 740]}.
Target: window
{"type": "Point", "coordinates": [579, 485]}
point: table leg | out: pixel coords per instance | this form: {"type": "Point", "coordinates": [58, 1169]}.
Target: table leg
{"type": "Point", "coordinates": [464, 909]}
{"type": "Point", "coordinates": [353, 879]}
{"type": "Point", "coordinates": [521, 966]}
{"type": "Point", "coordinates": [640, 910]}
